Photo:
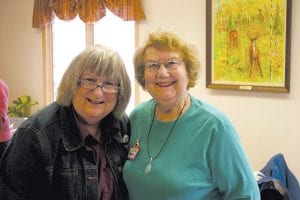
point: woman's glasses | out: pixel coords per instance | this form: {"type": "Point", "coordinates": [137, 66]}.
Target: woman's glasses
{"type": "Point", "coordinates": [107, 87]}
{"type": "Point", "coordinates": [153, 66]}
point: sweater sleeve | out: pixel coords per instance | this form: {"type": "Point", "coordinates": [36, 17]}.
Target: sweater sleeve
{"type": "Point", "coordinates": [231, 170]}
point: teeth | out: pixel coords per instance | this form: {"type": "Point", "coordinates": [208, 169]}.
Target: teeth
{"type": "Point", "coordinates": [165, 84]}
{"type": "Point", "coordinates": [95, 102]}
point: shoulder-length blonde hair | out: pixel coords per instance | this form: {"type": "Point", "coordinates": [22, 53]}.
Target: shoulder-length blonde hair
{"type": "Point", "coordinates": [168, 41]}
{"type": "Point", "coordinates": [103, 61]}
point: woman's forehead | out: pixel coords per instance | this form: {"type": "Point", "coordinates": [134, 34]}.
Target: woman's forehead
{"type": "Point", "coordinates": [153, 52]}
{"type": "Point", "coordinates": [94, 75]}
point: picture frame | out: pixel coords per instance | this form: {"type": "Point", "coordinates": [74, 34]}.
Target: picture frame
{"type": "Point", "coordinates": [248, 45]}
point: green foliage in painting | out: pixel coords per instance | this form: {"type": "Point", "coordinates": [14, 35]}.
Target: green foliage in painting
{"type": "Point", "coordinates": [249, 41]}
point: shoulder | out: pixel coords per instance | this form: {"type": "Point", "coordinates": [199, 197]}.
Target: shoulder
{"type": "Point", "coordinates": [143, 105]}
{"type": "Point", "coordinates": [51, 115]}
{"type": "Point", "coordinates": [124, 124]}
{"type": "Point", "coordinates": [204, 116]}
{"type": "Point", "coordinates": [208, 111]}
{"type": "Point", "coordinates": [143, 109]}
{"type": "Point", "coordinates": [49, 122]}
{"type": "Point", "coordinates": [3, 88]}
{"type": "Point", "coordinates": [43, 116]}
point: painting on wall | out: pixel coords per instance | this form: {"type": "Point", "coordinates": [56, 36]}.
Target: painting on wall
{"type": "Point", "coordinates": [248, 45]}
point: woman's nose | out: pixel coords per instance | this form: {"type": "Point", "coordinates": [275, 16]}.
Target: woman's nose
{"type": "Point", "coordinates": [98, 90]}
{"type": "Point", "coordinates": [162, 70]}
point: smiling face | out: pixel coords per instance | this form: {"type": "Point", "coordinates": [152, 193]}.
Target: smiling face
{"type": "Point", "coordinates": [93, 105]}
{"type": "Point", "coordinates": [167, 87]}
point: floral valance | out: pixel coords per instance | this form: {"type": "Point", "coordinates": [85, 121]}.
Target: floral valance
{"type": "Point", "coordinates": [89, 11]}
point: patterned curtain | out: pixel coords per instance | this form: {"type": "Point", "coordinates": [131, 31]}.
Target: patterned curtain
{"type": "Point", "coordinates": [89, 11]}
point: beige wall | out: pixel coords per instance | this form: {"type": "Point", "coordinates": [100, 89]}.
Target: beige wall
{"type": "Point", "coordinates": [21, 50]}
{"type": "Point", "coordinates": [268, 123]}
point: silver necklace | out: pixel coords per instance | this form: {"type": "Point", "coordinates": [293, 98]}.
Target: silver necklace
{"type": "Point", "coordinates": [151, 158]}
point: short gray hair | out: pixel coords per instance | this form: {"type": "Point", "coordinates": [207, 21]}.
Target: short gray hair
{"type": "Point", "coordinates": [103, 61]}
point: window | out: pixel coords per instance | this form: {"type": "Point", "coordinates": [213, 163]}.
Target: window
{"type": "Point", "coordinates": [71, 37]}
{"type": "Point", "coordinates": [68, 41]}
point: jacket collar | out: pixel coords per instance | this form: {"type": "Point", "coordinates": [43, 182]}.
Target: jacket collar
{"type": "Point", "coordinates": [71, 136]}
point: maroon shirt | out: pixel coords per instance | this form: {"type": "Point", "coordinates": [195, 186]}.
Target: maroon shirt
{"type": "Point", "coordinates": [106, 190]}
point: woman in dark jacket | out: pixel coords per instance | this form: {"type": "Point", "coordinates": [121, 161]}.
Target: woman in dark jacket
{"type": "Point", "coordinates": [74, 148]}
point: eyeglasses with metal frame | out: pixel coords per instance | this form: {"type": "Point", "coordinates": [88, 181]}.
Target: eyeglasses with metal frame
{"type": "Point", "coordinates": [154, 66]}
{"type": "Point", "coordinates": [107, 87]}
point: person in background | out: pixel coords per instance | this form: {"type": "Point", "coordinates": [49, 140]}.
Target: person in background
{"type": "Point", "coordinates": [5, 133]}
{"type": "Point", "coordinates": [181, 147]}
{"type": "Point", "coordinates": [74, 148]}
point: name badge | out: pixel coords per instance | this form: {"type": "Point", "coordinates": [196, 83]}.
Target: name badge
{"type": "Point", "coordinates": [133, 151]}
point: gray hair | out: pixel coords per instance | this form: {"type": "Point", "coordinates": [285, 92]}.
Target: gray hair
{"type": "Point", "coordinates": [103, 61]}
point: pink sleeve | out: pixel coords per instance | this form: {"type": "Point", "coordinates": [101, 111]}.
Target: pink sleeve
{"type": "Point", "coordinates": [5, 133]}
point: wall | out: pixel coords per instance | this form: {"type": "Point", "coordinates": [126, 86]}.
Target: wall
{"type": "Point", "coordinates": [267, 122]}
{"type": "Point", "coordinates": [21, 50]}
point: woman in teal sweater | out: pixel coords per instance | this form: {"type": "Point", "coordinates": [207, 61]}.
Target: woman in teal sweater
{"type": "Point", "coordinates": [181, 148]}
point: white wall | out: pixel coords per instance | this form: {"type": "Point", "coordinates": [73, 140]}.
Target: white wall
{"type": "Point", "coordinates": [267, 122]}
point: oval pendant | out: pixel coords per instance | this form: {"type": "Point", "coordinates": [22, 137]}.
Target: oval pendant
{"type": "Point", "coordinates": [148, 167]}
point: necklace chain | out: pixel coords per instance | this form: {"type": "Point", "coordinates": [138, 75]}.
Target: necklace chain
{"type": "Point", "coordinates": [165, 142]}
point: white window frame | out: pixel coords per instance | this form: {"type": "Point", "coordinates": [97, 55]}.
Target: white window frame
{"type": "Point", "coordinates": [47, 47]}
